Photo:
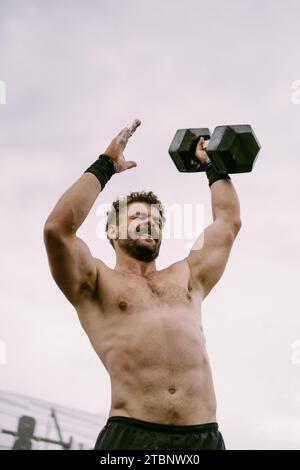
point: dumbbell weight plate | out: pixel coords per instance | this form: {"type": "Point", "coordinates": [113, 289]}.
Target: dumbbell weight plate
{"type": "Point", "coordinates": [233, 148]}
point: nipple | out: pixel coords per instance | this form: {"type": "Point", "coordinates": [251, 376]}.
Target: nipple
{"type": "Point", "coordinates": [123, 305]}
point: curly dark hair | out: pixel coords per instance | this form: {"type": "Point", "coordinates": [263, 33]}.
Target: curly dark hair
{"type": "Point", "coordinates": [121, 202]}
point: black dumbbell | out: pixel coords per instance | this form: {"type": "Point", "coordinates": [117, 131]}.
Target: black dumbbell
{"type": "Point", "coordinates": [232, 149]}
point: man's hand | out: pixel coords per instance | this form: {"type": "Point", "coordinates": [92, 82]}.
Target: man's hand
{"type": "Point", "coordinates": [200, 150]}
{"type": "Point", "coordinates": [118, 144]}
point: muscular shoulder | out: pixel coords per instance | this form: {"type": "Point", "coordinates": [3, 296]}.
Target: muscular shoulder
{"type": "Point", "coordinates": [179, 268]}
{"type": "Point", "coordinates": [182, 273]}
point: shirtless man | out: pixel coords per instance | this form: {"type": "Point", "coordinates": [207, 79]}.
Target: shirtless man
{"type": "Point", "coordinates": [144, 324]}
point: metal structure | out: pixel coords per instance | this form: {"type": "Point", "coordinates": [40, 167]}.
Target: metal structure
{"type": "Point", "coordinates": [33, 424]}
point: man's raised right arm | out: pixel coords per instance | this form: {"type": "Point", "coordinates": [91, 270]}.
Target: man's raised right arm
{"type": "Point", "coordinates": [72, 265]}
{"type": "Point", "coordinates": [71, 262]}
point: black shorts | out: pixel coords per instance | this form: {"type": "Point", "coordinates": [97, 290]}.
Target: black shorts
{"type": "Point", "coordinates": [125, 433]}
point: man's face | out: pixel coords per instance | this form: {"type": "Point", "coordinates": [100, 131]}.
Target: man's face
{"type": "Point", "coordinates": [140, 231]}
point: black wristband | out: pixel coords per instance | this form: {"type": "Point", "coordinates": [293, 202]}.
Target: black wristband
{"type": "Point", "coordinates": [212, 173]}
{"type": "Point", "coordinates": [103, 169]}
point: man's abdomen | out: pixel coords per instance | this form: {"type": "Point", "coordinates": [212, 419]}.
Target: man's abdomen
{"type": "Point", "coordinates": [184, 400]}
{"type": "Point", "coordinates": [162, 373]}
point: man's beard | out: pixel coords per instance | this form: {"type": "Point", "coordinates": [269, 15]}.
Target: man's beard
{"type": "Point", "coordinates": [141, 250]}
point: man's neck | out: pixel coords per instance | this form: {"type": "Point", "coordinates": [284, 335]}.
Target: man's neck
{"type": "Point", "coordinates": [127, 264]}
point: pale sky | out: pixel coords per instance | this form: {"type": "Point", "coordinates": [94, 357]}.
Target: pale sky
{"type": "Point", "coordinates": [76, 73]}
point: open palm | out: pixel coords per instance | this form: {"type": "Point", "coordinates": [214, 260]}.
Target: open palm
{"type": "Point", "coordinates": [118, 144]}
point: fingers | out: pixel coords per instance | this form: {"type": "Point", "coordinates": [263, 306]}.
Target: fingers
{"type": "Point", "coordinates": [202, 144]}
{"type": "Point", "coordinates": [130, 165]}
{"type": "Point", "coordinates": [128, 131]}
{"type": "Point", "coordinates": [201, 150]}
{"type": "Point", "coordinates": [136, 123]}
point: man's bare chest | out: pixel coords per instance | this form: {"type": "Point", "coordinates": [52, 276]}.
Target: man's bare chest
{"type": "Point", "coordinates": [130, 293]}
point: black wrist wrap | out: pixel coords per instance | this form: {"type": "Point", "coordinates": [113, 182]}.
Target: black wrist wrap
{"type": "Point", "coordinates": [103, 169]}
{"type": "Point", "coordinates": [212, 174]}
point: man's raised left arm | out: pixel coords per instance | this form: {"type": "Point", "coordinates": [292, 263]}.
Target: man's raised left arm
{"type": "Point", "coordinates": [209, 254]}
